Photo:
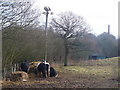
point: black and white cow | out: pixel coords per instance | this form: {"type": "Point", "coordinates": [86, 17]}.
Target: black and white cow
{"type": "Point", "coordinates": [43, 69]}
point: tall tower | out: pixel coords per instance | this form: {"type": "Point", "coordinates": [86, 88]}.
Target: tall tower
{"type": "Point", "coordinates": [108, 29]}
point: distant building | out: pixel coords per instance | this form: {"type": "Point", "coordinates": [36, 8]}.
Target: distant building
{"type": "Point", "coordinates": [97, 56]}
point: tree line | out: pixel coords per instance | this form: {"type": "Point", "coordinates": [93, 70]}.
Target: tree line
{"type": "Point", "coordinates": [20, 44]}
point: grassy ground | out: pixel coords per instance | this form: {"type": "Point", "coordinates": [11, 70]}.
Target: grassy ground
{"type": "Point", "coordinates": [88, 74]}
{"type": "Point", "coordinates": [97, 73]}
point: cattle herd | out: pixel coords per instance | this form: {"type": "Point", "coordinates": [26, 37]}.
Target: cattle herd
{"type": "Point", "coordinates": [40, 69]}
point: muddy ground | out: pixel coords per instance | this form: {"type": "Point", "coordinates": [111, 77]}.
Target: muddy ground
{"type": "Point", "coordinates": [93, 74]}
{"type": "Point", "coordinates": [65, 81]}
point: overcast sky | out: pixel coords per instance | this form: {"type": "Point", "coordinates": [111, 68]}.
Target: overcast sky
{"type": "Point", "coordinates": [98, 13]}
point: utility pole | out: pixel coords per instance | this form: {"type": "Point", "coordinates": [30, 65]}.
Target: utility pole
{"type": "Point", "coordinates": [47, 9]}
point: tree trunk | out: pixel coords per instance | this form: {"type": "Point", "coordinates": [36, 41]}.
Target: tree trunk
{"type": "Point", "coordinates": [66, 52]}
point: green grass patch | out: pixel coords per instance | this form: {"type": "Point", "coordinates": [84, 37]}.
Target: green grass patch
{"type": "Point", "coordinates": [104, 67]}
{"type": "Point", "coordinates": [88, 70]}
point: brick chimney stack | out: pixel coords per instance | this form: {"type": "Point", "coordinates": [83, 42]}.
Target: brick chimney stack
{"type": "Point", "coordinates": [108, 29]}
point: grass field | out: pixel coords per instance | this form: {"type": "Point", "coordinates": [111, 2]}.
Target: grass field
{"type": "Point", "coordinates": [88, 74]}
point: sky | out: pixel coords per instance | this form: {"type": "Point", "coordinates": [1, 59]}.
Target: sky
{"type": "Point", "coordinates": [98, 13]}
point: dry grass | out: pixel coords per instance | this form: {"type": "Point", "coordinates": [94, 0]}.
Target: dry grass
{"type": "Point", "coordinates": [27, 82]}
{"type": "Point", "coordinates": [101, 62]}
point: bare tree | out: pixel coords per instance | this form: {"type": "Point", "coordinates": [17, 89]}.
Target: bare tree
{"type": "Point", "coordinates": [69, 25]}
{"type": "Point", "coordinates": [17, 13]}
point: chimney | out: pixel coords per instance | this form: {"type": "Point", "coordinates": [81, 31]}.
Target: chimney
{"type": "Point", "coordinates": [108, 29]}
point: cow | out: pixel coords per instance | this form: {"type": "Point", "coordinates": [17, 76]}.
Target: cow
{"type": "Point", "coordinates": [53, 72]}
{"type": "Point", "coordinates": [43, 69]}
{"type": "Point", "coordinates": [24, 66]}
